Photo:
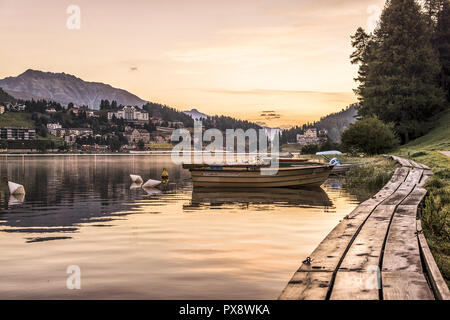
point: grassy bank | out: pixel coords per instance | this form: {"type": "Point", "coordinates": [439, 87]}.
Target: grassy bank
{"type": "Point", "coordinates": [366, 180]}
{"type": "Point", "coordinates": [16, 120]}
{"type": "Point", "coordinates": [436, 213]}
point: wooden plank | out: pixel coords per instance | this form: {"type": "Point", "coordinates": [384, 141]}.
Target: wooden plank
{"type": "Point", "coordinates": [402, 252]}
{"type": "Point", "coordinates": [353, 250]}
{"type": "Point", "coordinates": [356, 285]}
{"type": "Point", "coordinates": [406, 187]}
{"type": "Point", "coordinates": [329, 253]}
{"type": "Point", "coordinates": [437, 281]}
{"type": "Point", "coordinates": [397, 179]}
{"type": "Point", "coordinates": [365, 251]}
{"type": "Point", "coordinates": [307, 286]}
{"type": "Point", "coordinates": [427, 174]}
{"type": "Point", "coordinates": [416, 197]}
{"type": "Point", "coordinates": [401, 285]}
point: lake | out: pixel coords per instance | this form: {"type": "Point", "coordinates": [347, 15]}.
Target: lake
{"type": "Point", "coordinates": [168, 243]}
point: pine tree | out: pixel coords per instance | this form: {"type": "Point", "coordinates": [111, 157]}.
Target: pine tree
{"type": "Point", "coordinates": [399, 69]}
{"type": "Point", "coordinates": [442, 44]}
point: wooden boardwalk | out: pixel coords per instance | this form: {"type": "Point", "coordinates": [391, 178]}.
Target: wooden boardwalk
{"type": "Point", "coordinates": [377, 252]}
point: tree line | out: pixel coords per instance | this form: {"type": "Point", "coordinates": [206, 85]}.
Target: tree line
{"type": "Point", "coordinates": [404, 69]}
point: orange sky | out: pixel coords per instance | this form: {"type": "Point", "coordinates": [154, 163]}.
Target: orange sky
{"type": "Point", "coordinates": [236, 58]}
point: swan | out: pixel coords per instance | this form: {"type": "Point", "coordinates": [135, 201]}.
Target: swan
{"type": "Point", "coordinates": [136, 178]}
{"type": "Point", "coordinates": [15, 188]}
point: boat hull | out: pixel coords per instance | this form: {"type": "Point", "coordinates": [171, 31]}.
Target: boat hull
{"type": "Point", "coordinates": [249, 178]}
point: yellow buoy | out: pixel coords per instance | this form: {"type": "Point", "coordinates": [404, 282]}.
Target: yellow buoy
{"type": "Point", "coordinates": [164, 175]}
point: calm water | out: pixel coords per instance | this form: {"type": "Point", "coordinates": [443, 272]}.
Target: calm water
{"type": "Point", "coordinates": [170, 243]}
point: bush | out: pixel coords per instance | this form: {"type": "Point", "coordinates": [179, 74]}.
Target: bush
{"type": "Point", "coordinates": [370, 136]}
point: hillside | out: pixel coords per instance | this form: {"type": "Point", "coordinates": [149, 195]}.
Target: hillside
{"type": "Point", "coordinates": [65, 88]}
{"type": "Point", "coordinates": [16, 120]}
{"type": "Point", "coordinates": [5, 97]}
{"type": "Point", "coordinates": [336, 123]}
{"type": "Point", "coordinates": [436, 214]}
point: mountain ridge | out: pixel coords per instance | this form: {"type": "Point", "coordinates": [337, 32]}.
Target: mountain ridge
{"type": "Point", "coordinates": [65, 88]}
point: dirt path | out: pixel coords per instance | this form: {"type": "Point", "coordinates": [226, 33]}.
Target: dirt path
{"type": "Point", "coordinates": [447, 153]}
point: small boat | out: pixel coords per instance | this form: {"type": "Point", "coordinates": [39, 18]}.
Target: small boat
{"type": "Point", "coordinates": [15, 188]}
{"type": "Point", "coordinates": [339, 167]}
{"type": "Point", "coordinates": [136, 178]}
{"type": "Point", "coordinates": [151, 184]}
{"type": "Point", "coordinates": [290, 175]}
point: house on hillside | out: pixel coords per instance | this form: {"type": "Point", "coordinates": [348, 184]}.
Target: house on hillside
{"type": "Point", "coordinates": [71, 135]}
{"type": "Point", "coordinates": [129, 114]}
{"type": "Point", "coordinates": [137, 135]}
{"type": "Point", "coordinates": [2, 109]}
{"type": "Point", "coordinates": [311, 136]}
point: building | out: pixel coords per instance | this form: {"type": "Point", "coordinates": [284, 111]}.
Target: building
{"type": "Point", "coordinates": [71, 135]}
{"type": "Point", "coordinates": [15, 107]}
{"type": "Point", "coordinates": [310, 137]}
{"type": "Point", "coordinates": [53, 126]}
{"type": "Point", "coordinates": [2, 109]}
{"type": "Point", "coordinates": [130, 114]}
{"type": "Point", "coordinates": [50, 110]}
{"type": "Point", "coordinates": [17, 134]}
{"type": "Point", "coordinates": [54, 129]}
{"type": "Point", "coordinates": [137, 135]}
{"type": "Point", "coordinates": [80, 131]}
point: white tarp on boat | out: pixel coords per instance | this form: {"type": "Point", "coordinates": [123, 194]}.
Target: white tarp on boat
{"type": "Point", "coordinates": [328, 153]}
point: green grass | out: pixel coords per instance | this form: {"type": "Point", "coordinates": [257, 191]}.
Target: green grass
{"type": "Point", "coordinates": [16, 120]}
{"type": "Point", "coordinates": [436, 214]}
{"type": "Point", "coordinates": [366, 180]}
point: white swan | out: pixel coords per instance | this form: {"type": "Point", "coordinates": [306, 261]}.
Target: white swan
{"type": "Point", "coordinates": [151, 184]}
{"type": "Point", "coordinates": [16, 199]}
{"type": "Point", "coordinates": [152, 191]}
{"type": "Point", "coordinates": [136, 178]}
{"type": "Point", "coordinates": [15, 188]}
{"type": "Point", "coordinates": [135, 186]}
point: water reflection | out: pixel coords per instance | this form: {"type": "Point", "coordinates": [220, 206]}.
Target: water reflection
{"type": "Point", "coordinates": [312, 197]}
{"type": "Point", "coordinates": [181, 243]}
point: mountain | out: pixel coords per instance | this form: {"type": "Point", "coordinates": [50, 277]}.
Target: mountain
{"type": "Point", "coordinates": [65, 88]}
{"type": "Point", "coordinates": [5, 97]}
{"type": "Point", "coordinates": [336, 123]}
{"type": "Point", "coordinates": [196, 115]}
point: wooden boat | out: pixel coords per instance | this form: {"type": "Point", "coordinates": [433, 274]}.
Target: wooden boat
{"type": "Point", "coordinates": [258, 176]}
{"type": "Point", "coordinates": [341, 169]}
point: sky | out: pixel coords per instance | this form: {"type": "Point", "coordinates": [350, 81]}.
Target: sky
{"type": "Point", "coordinates": [236, 58]}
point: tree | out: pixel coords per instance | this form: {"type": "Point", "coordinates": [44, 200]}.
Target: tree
{"type": "Point", "coordinates": [399, 69]}
{"type": "Point", "coordinates": [370, 136]}
{"type": "Point", "coordinates": [433, 8]}
{"type": "Point", "coordinates": [141, 145]}
{"type": "Point", "coordinates": [114, 144]}
{"type": "Point", "coordinates": [441, 41]}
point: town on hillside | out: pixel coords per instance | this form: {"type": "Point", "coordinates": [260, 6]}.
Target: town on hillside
{"type": "Point", "coordinates": [30, 126]}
